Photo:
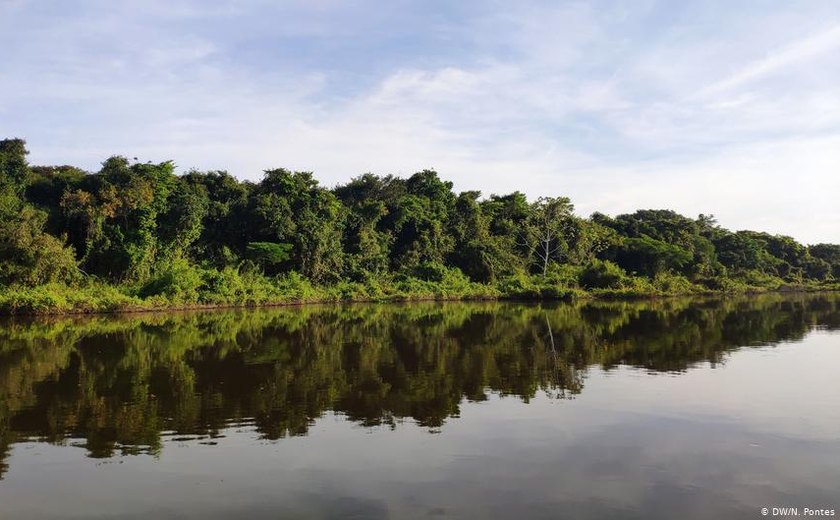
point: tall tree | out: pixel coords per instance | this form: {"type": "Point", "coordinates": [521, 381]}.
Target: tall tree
{"type": "Point", "coordinates": [548, 231]}
{"type": "Point", "coordinates": [420, 221]}
{"type": "Point", "coordinates": [225, 226]}
{"type": "Point", "coordinates": [28, 254]}
{"type": "Point", "coordinates": [290, 207]}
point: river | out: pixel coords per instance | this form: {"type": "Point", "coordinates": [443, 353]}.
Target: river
{"type": "Point", "coordinates": [673, 408]}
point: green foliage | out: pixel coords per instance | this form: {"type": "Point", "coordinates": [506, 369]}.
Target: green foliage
{"type": "Point", "coordinates": [366, 245]}
{"type": "Point", "coordinates": [28, 255]}
{"type": "Point", "coordinates": [549, 231]}
{"type": "Point", "coordinates": [180, 223]}
{"type": "Point", "coordinates": [648, 257]}
{"type": "Point", "coordinates": [129, 217]}
{"type": "Point", "coordinates": [296, 288]}
{"type": "Point", "coordinates": [588, 240]}
{"type": "Point", "coordinates": [434, 272]}
{"type": "Point", "coordinates": [14, 170]}
{"type": "Point", "coordinates": [225, 226]}
{"type": "Point", "coordinates": [657, 241]}
{"type": "Point", "coordinates": [669, 283]}
{"type": "Point", "coordinates": [291, 207]}
{"type": "Point", "coordinates": [177, 282]}
{"type": "Point", "coordinates": [477, 252]}
{"type": "Point", "coordinates": [54, 298]}
{"type": "Point", "coordinates": [268, 254]}
{"type": "Point", "coordinates": [759, 279]}
{"type": "Point", "coordinates": [600, 274]}
{"type": "Point", "coordinates": [206, 238]}
{"type": "Point", "coordinates": [420, 220]}
{"type": "Point", "coordinates": [829, 253]}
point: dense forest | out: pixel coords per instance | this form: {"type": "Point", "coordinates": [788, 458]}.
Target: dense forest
{"type": "Point", "coordinates": [136, 235]}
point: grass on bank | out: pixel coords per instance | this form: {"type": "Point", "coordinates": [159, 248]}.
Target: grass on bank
{"type": "Point", "coordinates": [182, 285]}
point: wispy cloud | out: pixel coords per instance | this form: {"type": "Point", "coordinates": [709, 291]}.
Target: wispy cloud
{"type": "Point", "coordinates": [794, 53]}
{"type": "Point", "coordinates": [664, 104]}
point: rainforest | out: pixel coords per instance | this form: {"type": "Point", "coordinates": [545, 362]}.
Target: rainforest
{"type": "Point", "coordinates": [136, 235]}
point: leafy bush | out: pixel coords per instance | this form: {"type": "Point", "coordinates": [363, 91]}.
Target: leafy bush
{"type": "Point", "coordinates": [178, 283]}
{"type": "Point", "coordinates": [602, 275]}
{"type": "Point", "coordinates": [231, 286]}
{"type": "Point", "coordinates": [669, 283]}
{"type": "Point", "coordinates": [295, 287]}
{"type": "Point", "coordinates": [519, 285]}
{"type": "Point", "coordinates": [556, 285]}
{"type": "Point", "coordinates": [563, 275]}
{"type": "Point", "coordinates": [60, 298]}
{"type": "Point", "coordinates": [431, 271]}
{"type": "Point", "coordinates": [758, 279]}
{"type": "Point", "coordinates": [28, 255]}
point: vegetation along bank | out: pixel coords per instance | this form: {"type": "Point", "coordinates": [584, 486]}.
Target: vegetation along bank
{"type": "Point", "coordinates": [137, 236]}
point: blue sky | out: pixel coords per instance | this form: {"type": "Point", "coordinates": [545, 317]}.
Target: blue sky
{"type": "Point", "coordinates": [729, 108]}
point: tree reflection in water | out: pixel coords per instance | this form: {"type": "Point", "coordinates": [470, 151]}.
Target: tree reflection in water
{"type": "Point", "coordinates": [122, 382]}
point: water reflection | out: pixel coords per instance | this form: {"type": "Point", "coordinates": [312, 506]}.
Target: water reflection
{"type": "Point", "coordinates": [122, 383]}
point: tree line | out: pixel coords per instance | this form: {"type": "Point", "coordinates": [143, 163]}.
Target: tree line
{"type": "Point", "coordinates": [133, 223]}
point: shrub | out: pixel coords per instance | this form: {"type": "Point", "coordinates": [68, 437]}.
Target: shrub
{"type": "Point", "coordinates": [178, 283]}
{"type": "Point", "coordinates": [59, 298]}
{"type": "Point", "coordinates": [669, 283]}
{"type": "Point", "coordinates": [431, 271]}
{"type": "Point", "coordinates": [563, 275]}
{"type": "Point", "coordinates": [30, 256]}
{"type": "Point", "coordinates": [295, 287]}
{"type": "Point", "coordinates": [758, 279]}
{"type": "Point", "coordinates": [555, 286]}
{"type": "Point", "coordinates": [518, 285]}
{"type": "Point", "coordinates": [602, 275]}
{"type": "Point", "coordinates": [226, 285]}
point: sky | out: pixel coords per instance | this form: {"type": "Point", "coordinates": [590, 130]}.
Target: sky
{"type": "Point", "coordinates": [715, 107]}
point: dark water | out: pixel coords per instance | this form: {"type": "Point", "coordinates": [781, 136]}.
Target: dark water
{"type": "Point", "coordinates": [666, 409]}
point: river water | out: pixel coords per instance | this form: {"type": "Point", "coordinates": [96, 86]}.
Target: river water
{"type": "Point", "coordinates": [676, 408]}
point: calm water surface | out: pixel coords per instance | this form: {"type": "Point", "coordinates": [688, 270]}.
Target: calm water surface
{"type": "Point", "coordinates": [666, 409]}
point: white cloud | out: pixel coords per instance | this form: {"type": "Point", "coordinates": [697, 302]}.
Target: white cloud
{"type": "Point", "coordinates": [794, 53]}
{"type": "Point", "coordinates": [576, 99]}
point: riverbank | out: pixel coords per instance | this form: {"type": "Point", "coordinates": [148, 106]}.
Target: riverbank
{"type": "Point", "coordinates": [230, 288]}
